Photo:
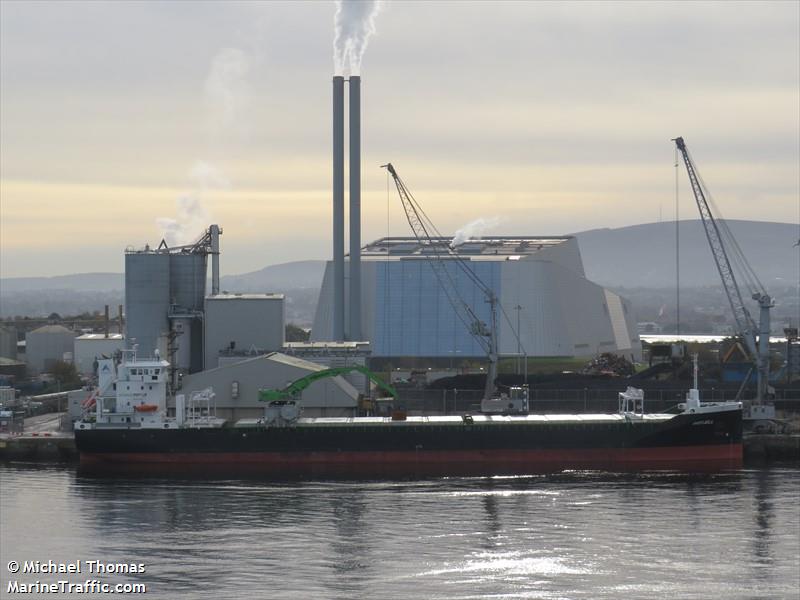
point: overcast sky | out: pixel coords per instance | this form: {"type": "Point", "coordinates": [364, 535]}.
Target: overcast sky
{"type": "Point", "coordinates": [121, 122]}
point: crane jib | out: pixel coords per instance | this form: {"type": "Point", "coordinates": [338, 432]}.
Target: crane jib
{"type": "Point", "coordinates": [756, 338]}
{"type": "Point", "coordinates": [424, 231]}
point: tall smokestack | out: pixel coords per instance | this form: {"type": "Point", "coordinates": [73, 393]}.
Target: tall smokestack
{"type": "Point", "coordinates": [215, 231]}
{"type": "Point", "coordinates": [355, 207]}
{"type": "Point", "coordinates": [338, 208]}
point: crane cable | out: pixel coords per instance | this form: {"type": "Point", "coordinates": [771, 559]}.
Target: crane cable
{"type": "Point", "coordinates": [450, 251]}
{"type": "Point", "coordinates": [462, 264]}
{"type": "Point", "coordinates": [387, 292]}
{"type": "Point", "coordinates": [441, 271]}
{"type": "Point", "coordinates": [743, 267]}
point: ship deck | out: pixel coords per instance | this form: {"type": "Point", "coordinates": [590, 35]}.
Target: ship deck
{"type": "Point", "coordinates": [438, 420]}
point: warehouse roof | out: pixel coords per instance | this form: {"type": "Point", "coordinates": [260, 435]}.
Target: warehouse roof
{"type": "Point", "coordinates": [10, 362]}
{"type": "Point", "coordinates": [230, 296]}
{"type": "Point", "coordinates": [487, 247]}
{"type": "Point", "coordinates": [52, 329]}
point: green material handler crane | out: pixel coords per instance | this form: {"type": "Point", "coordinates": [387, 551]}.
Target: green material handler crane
{"type": "Point", "coordinates": [294, 389]}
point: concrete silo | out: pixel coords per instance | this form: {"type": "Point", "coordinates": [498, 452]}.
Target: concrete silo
{"type": "Point", "coordinates": [187, 280]}
{"type": "Point", "coordinates": [165, 291]}
{"type": "Point", "coordinates": [188, 292]}
{"type": "Point", "coordinates": [147, 300]}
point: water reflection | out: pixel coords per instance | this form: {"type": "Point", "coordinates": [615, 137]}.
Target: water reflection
{"type": "Point", "coordinates": [561, 535]}
{"type": "Point", "coordinates": [763, 514]}
{"type": "Point", "coordinates": [494, 525]}
{"type": "Point", "coordinates": [349, 543]}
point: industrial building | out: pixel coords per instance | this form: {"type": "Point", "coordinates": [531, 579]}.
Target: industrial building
{"type": "Point", "coordinates": [387, 294]}
{"type": "Point", "coordinates": [8, 342]}
{"type": "Point", "coordinates": [236, 387]}
{"type": "Point", "coordinates": [11, 370]}
{"type": "Point", "coordinates": [380, 301]}
{"type": "Point", "coordinates": [91, 347]}
{"type": "Point", "coordinates": [165, 292]}
{"type": "Point", "coordinates": [47, 345]}
{"type": "Point", "coordinates": [540, 283]}
{"type": "Point", "coordinates": [242, 322]}
{"type": "Point", "coordinates": [226, 341]}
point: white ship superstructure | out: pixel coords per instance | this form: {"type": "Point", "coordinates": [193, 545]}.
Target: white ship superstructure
{"type": "Point", "coordinates": [132, 393]}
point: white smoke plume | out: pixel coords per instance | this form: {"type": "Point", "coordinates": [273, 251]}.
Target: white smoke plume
{"type": "Point", "coordinates": [227, 93]}
{"type": "Point", "coordinates": [226, 88]}
{"type": "Point", "coordinates": [474, 230]}
{"type": "Point", "coordinates": [192, 218]}
{"type": "Point", "coordinates": [354, 24]}
{"type": "Point", "coordinates": [205, 176]}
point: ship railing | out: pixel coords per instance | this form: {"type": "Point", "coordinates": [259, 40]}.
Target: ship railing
{"type": "Point", "coordinates": [201, 410]}
{"type": "Point", "coordinates": [575, 400]}
{"type": "Point", "coordinates": [631, 402]}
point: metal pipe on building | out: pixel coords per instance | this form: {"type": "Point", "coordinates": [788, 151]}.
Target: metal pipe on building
{"type": "Point", "coordinates": [105, 322]}
{"type": "Point", "coordinates": [354, 332]}
{"type": "Point", "coordinates": [215, 231]}
{"type": "Point", "coordinates": [338, 208]}
{"type": "Point", "coordinates": [119, 317]}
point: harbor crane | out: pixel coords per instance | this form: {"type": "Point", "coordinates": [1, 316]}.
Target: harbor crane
{"type": "Point", "coordinates": [441, 255]}
{"type": "Point", "coordinates": [726, 253]}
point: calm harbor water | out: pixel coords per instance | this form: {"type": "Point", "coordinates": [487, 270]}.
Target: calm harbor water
{"type": "Point", "coordinates": [571, 535]}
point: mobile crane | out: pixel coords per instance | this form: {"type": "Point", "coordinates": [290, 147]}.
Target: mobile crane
{"type": "Point", "coordinates": [726, 251]}
{"type": "Point", "coordinates": [293, 390]}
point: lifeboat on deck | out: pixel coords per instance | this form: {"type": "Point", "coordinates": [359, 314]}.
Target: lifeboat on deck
{"type": "Point", "coordinates": [146, 408]}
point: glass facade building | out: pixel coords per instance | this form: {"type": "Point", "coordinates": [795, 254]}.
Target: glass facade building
{"type": "Point", "coordinates": [546, 306]}
{"type": "Point", "coordinates": [414, 315]}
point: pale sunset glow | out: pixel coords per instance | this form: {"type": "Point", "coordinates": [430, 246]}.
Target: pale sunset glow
{"type": "Point", "coordinates": [549, 118]}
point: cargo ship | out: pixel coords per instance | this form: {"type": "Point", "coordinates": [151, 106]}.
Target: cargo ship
{"type": "Point", "coordinates": [131, 427]}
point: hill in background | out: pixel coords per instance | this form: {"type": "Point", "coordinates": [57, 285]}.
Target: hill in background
{"type": "Point", "coordinates": [644, 255]}
{"type": "Point", "coordinates": [301, 274]}
{"type": "Point", "coordinates": [639, 256]}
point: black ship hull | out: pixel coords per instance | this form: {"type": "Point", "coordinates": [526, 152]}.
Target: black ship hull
{"type": "Point", "coordinates": [509, 445]}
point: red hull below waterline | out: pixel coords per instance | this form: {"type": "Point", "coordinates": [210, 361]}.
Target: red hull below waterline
{"type": "Point", "coordinates": [682, 458]}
